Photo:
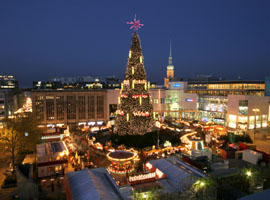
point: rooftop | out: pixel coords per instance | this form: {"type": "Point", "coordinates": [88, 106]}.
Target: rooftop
{"type": "Point", "coordinates": [92, 184]}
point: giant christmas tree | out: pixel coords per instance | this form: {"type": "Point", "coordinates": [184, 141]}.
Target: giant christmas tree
{"type": "Point", "coordinates": [134, 113]}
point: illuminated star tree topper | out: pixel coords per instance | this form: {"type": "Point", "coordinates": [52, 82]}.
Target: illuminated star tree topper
{"type": "Point", "coordinates": [136, 24]}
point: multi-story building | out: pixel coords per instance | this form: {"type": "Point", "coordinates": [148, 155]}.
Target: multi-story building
{"type": "Point", "coordinates": [225, 88]}
{"type": "Point", "coordinates": [70, 106]}
{"type": "Point", "coordinates": [213, 96]}
{"type": "Point", "coordinates": [178, 103]}
{"type": "Point", "coordinates": [8, 82]}
{"type": "Point", "coordinates": [247, 111]}
{"type": "Point", "coordinates": [86, 82]}
{"type": "Point", "coordinates": [267, 86]}
{"type": "Point", "coordinates": [75, 106]}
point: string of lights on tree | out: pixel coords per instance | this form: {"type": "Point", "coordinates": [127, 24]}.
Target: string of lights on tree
{"type": "Point", "coordinates": [135, 110]}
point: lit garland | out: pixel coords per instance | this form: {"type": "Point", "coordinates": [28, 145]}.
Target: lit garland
{"type": "Point", "coordinates": [135, 110]}
{"type": "Point", "coordinates": [119, 112]}
{"type": "Point", "coordinates": [124, 96]}
{"type": "Point", "coordinates": [126, 82]}
{"type": "Point", "coordinates": [139, 96]}
{"type": "Point", "coordinates": [144, 114]}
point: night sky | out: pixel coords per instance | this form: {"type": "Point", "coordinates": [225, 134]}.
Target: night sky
{"type": "Point", "coordinates": [43, 38]}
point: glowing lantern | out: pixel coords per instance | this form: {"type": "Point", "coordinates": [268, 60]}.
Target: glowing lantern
{"type": "Point", "coordinates": [140, 99]}
{"type": "Point", "coordinates": [145, 86]}
{"type": "Point", "coordinates": [127, 117]}
{"type": "Point", "coordinates": [130, 53]}
{"type": "Point", "coordinates": [119, 100]}
{"type": "Point", "coordinates": [132, 70]}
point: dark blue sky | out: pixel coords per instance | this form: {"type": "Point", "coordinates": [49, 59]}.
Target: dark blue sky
{"type": "Point", "coordinates": [227, 38]}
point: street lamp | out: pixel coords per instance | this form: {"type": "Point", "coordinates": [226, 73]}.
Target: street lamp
{"type": "Point", "coordinates": [248, 173]}
{"type": "Point", "coordinates": [255, 110]}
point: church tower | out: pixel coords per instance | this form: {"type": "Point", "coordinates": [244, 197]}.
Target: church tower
{"type": "Point", "coordinates": [170, 70]}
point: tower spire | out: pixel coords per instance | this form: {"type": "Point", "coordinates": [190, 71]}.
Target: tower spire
{"type": "Point", "coordinates": [170, 57]}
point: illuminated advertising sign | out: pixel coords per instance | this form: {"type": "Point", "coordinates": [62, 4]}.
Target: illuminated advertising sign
{"type": "Point", "coordinates": [189, 100]}
{"type": "Point", "coordinates": [142, 178]}
{"type": "Point", "coordinates": [177, 85]}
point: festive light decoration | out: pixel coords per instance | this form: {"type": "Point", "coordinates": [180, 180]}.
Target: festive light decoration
{"type": "Point", "coordinates": [138, 113]}
{"type": "Point", "coordinates": [122, 161]}
{"type": "Point", "coordinates": [134, 116]}
{"type": "Point", "coordinates": [140, 96]}
{"type": "Point", "coordinates": [130, 53]}
{"type": "Point", "coordinates": [136, 24]}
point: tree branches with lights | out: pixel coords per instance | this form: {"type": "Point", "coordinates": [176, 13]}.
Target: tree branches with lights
{"type": "Point", "coordinates": [135, 110]}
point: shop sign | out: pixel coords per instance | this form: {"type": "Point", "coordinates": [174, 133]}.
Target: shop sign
{"type": "Point", "coordinates": [177, 85]}
{"type": "Point", "coordinates": [189, 100]}
{"type": "Point", "coordinates": [142, 177]}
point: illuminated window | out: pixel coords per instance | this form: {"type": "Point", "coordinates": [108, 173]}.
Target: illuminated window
{"type": "Point", "coordinates": [91, 106]}
{"type": "Point", "coordinates": [39, 106]}
{"type": "Point", "coordinates": [100, 106]}
{"type": "Point", "coordinates": [71, 107]}
{"type": "Point", "coordinates": [60, 107]}
{"type": "Point", "coordinates": [81, 107]}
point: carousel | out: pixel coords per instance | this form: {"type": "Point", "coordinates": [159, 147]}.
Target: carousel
{"type": "Point", "coordinates": [122, 162]}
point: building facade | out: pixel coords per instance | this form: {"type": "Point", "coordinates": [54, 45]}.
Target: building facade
{"type": "Point", "coordinates": [213, 101]}
{"type": "Point", "coordinates": [247, 111]}
{"type": "Point", "coordinates": [178, 103]}
{"type": "Point", "coordinates": [8, 82]}
{"type": "Point", "coordinates": [70, 107]}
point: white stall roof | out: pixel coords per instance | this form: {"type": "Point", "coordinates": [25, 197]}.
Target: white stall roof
{"type": "Point", "coordinates": [176, 172]}
{"type": "Point", "coordinates": [50, 148]}
{"type": "Point", "coordinates": [92, 184]}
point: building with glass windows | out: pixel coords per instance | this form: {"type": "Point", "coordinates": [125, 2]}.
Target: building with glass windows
{"type": "Point", "coordinates": [178, 103]}
{"type": "Point", "coordinates": [247, 111]}
{"type": "Point", "coordinates": [213, 97]}
{"type": "Point", "coordinates": [8, 82]}
{"type": "Point", "coordinates": [267, 86]}
{"type": "Point", "coordinates": [70, 107]}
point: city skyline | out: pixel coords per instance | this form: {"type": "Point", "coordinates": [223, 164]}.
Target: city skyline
{"type": "Point", "coordinates": [44, 39]}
